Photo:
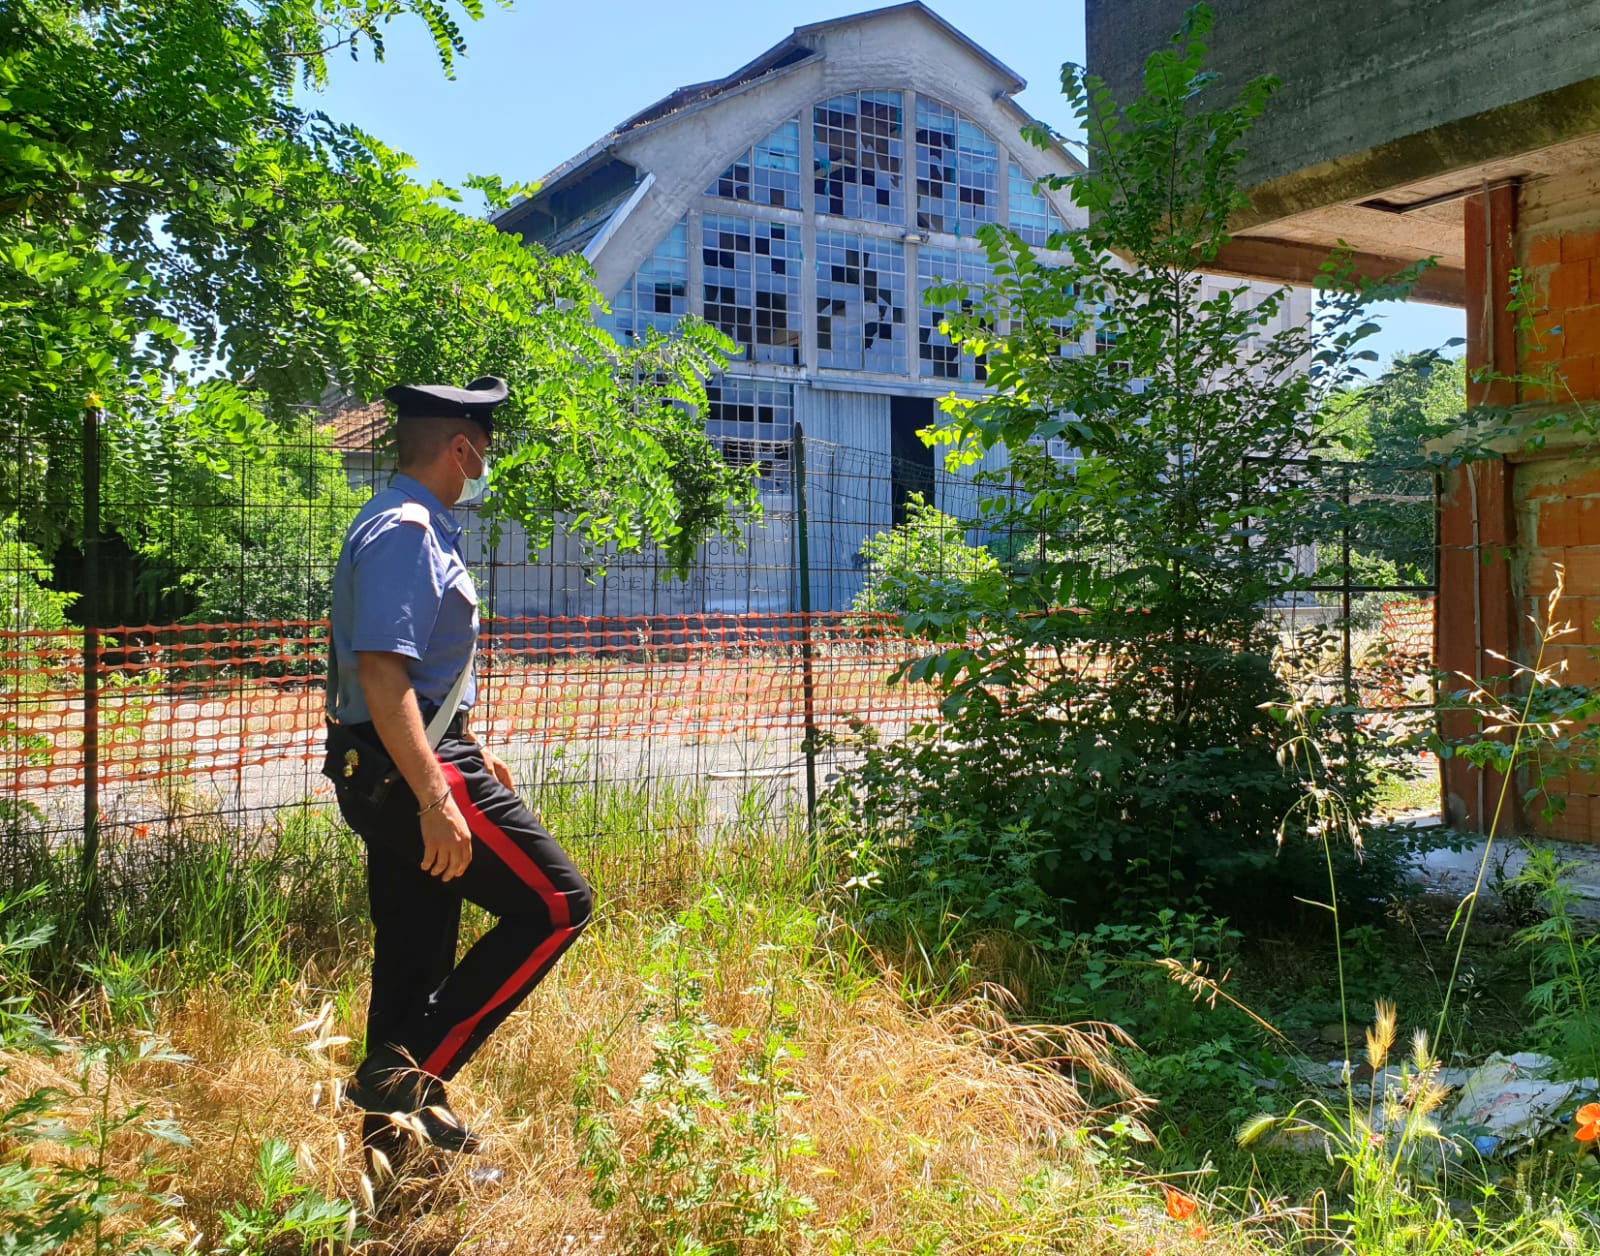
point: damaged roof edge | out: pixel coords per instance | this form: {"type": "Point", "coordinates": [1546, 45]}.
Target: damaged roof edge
{"type": "Point", "coordinates": [786, 55]}
{"type": "Point", "coordinates": [1016, 84]}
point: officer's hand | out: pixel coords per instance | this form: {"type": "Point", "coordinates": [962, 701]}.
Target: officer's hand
{"type": "Point", "coordinates": [446, 842]}
{"type": "Point", "coordinates": [497, 765]}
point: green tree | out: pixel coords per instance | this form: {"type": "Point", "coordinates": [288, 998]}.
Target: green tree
{"type": "Point", "coordinates": [245, 533]}
{"type": "Point", "coordinates": [187, 247]}
{"type": "Point", "coordinates": [1385, 425]}
{"type": "Point", "coordinates": [1128, 662]}
{"type": "Point", "coordinates": [1421, 396]}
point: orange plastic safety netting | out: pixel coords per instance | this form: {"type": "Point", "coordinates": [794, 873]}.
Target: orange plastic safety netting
{"type": "Point", "coordinates": [176, 701]}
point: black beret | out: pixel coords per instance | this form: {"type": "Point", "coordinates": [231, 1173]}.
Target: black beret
{"type": "Point", "coordinates": [442, 401]}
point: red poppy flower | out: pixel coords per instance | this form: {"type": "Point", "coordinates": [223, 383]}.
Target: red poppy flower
{"type": "Point", "coordinates": [1180, 1207]}
{"type": "Point", "coordinates": [1588, 1121]}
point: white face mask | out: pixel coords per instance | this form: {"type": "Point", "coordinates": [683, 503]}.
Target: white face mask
{"type": "Point", "coordinates": [475, 485]}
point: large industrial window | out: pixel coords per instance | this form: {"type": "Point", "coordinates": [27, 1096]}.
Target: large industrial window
{"type": "Point", "coordinates": [958, 171]}
{"type": "Point", "coordinates": [1030, 215]}
{"type": "Point", "coordinates": [937, 357]}
{"type": "Point", "coordinates": [657, 295]}
{"type": "Point", "coordinates": [768, 174]}
{"type": "Point", "coordinates": [858, 153]}
{"type": "Point", "coordinates": [752, 422]}
{"type": "Point", "coordinates": [752, 284]}
{"type": "Point", "coordinates": [861, 287]}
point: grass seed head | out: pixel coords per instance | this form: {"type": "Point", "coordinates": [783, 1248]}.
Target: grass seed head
{"type": "Point", "coordinates": [1381, 1034]}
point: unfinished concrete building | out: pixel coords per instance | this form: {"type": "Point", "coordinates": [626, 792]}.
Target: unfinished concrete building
{"type": "Point", "coordinates": [1469, 131]}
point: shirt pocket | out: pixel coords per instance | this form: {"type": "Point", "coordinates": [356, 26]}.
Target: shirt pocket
{"type": "Point", "coordinates": [466, 588]}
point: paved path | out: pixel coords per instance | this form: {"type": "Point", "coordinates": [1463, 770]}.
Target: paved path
{"type": "Point", "coordinates": [1454, 872]}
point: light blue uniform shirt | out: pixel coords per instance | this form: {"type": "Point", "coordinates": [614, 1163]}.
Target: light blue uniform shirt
{"type": "Point", "coordinates": [401, 587]}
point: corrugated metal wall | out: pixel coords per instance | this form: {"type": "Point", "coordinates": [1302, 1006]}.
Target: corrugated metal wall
{"type": "Point", "coordinates": [848, 486]}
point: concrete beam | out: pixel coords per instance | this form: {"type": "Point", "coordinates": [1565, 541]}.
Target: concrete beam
{"type": "Point", "coordinates": [1295, 262]}
{"type": "Point", "coordinates": [1459, 148]}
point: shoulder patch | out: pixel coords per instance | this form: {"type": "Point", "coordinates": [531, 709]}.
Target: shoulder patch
{"type": "Point", "coordinates": [417, 513]}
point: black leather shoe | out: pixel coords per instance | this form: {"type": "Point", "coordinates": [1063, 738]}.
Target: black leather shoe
{"type": "Point", "coordinates": [388, 1082]}
{"type": "Point", "coordinates": [443, 1129]}
{"type": "Point", "coordinates": [385, 1147]}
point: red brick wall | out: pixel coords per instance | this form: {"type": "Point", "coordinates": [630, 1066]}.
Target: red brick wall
{"type": "Point", "coordinates": [1562, 271]}
{"type": "Point", "coordinates": [1558, 502]}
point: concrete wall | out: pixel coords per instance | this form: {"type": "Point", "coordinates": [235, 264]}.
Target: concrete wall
{"type": "Point", "coordinates": [1365, 73]}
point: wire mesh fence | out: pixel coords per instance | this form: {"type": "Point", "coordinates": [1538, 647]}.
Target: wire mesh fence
{"type": "Point", "coordinates": [163, 632]}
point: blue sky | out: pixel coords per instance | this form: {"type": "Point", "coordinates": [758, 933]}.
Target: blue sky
{"type": "Point", "coordinates": [544, 80]}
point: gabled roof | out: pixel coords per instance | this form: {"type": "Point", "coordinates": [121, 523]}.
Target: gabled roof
{"type": "Point", "coordinates": [792, 51]}
{"type": "Point", "coordinates": [356, 428]}
{"type": "Point", "coordinates": [1015, 84]}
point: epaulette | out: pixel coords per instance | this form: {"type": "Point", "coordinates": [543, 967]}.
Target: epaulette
{"type": "Point", "coordinates": [415, 512]}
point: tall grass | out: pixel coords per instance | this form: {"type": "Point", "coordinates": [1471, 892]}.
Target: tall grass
{"type": "Point", "coordinates": [718, 1001]}
{"type": "Point", "coordinates": [726, 1063]}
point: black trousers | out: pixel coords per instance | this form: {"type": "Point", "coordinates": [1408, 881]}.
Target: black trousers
{"type": "Point", "coordinates": [424, 1003]}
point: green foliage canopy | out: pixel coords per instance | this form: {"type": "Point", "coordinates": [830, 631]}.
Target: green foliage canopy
{"type": "Point", "coordinates": [923, 564]}
{"type": "Point", "coordinates": [186, 246]}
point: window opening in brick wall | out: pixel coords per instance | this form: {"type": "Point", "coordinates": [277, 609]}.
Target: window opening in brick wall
{"type": "Point", "coordinates": [1029, 213]}
{"type": "Point", "coordinates": [958, 171]}
{"type": "Point", "coordinates": [752, 284]}
{"type": "Point", "coordinates": [937, 357]}
{"type": "Point", "coordinates": [858, 151]}
{"type": "Point", "coordinates": [657, 295]}
{"type": "Point", "coordinates": [752, 423]}
{"type": "Point", "coordinates": [861, 287]}
{"type": "Point", "coordinates": [766, 174]}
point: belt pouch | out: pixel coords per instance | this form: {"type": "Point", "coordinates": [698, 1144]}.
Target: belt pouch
{"type": "Point", "coordinates": [359, 766]}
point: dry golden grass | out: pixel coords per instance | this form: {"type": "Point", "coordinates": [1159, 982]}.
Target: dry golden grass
{"type": "Point", "coordinates": [956, 1130]}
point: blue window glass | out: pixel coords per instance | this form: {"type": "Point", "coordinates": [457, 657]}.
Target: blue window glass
{"type": "Point", "coordinates": [861, 296]}
{"type": "Point", "coordinates": [858, 154]}
{"type": "Point", "coordinates": [752, 423]}
{"type": "Point", "coordinates": [752, 284]}
{"type": "Point", "coordinates": [937, 357]}
{"type": "Point", "coordinates": [768, 174]}
{"type": "Point", "coordinates": [657, 295]}
{"type": "Point", "coordinates": [958, 171]}
{"type": "Point", "coordinates": [1029, 212]}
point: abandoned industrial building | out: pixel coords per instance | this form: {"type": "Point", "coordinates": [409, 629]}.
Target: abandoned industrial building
{"type": "Point", "coordinates": [805, 205]}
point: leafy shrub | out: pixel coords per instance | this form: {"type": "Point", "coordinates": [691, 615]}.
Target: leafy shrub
{"type": "Point", "coordinates": [703, 1162]}
{"type": "Point", "coordinates": [923, 564]}
{"type": "Point", "coordinates": [248, 532]}
{"type": "Point", "coordinates": [27, 603]}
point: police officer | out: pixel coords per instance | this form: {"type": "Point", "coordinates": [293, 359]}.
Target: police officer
{"type": "Point", "coordinates": [405, 620]}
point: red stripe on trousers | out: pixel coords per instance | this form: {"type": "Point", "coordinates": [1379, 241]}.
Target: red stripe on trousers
{"type": "Point", "coordinates": [446, 1051]}
{"type": "Point", "coordinates": [531, 875]}
{"type": "Point", "coordinates": [512, 855]}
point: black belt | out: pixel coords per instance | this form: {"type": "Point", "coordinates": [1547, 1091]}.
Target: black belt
{"type": "Point", "coordinates": [365, 730]}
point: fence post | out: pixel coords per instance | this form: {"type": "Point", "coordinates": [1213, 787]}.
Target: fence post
{"type": "Point", "coordinates": [91, 646]}
{"type": "Point", "coordinates": [1346, 608]}
{"type": "Point", "coordinates": [808, 678]}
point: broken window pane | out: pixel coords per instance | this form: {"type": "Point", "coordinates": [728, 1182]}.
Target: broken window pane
{"type": "Point", "coordinates": [768, 174]}
{"type": "Point", "coordinates": [861, 286]}
{"type": "Point", "coordinates": [752, 284]}
{"type": "Point", "coordinates": [1030, 214]}
{"type": "Point", "coordinates": [858, 149]}
{"type": "Point", "coordinates": [752, 423]}
{"type": "Point", "coordinates": [657, 295]}
{"type": "Point", "coordinates": [958, 171]}
{"type": "Point", "coordinates": [937, 357]}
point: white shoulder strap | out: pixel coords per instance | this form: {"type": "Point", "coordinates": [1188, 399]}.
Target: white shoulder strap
{"type": "Point", "coordinates": [447, 709]}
